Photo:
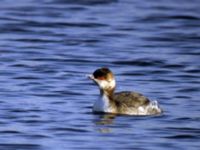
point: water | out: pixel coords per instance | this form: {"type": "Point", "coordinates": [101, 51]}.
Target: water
{"type": "Point", "coordinates": [47, 47]}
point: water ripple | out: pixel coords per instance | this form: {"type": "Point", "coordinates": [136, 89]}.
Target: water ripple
{"type": "Point", "coordinates": [47, 48]}
{"type": "Point", "coordinates": [12, 146]}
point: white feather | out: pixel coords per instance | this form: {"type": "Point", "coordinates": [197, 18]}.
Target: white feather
{"type": "Point", "coordinates": [102, 105]}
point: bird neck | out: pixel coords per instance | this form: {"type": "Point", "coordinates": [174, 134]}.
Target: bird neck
{"type": "Point", "coordinates": [107, 93]}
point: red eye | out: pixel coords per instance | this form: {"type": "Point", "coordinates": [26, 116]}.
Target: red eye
{"type": "Point", "coordinates": [101, 78]}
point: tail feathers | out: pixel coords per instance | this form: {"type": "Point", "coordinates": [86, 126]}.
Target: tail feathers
{"type": "Point", "coordinates": [154, 104]}
{"type": "Point", "coordinates": [154, 108]}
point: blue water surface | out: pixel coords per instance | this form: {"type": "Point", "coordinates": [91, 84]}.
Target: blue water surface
{"type": "Point", "coordinates": [48, 46]}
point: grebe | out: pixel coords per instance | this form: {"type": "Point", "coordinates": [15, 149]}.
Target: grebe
{"type": "Point", "coordinates": [128, 103]}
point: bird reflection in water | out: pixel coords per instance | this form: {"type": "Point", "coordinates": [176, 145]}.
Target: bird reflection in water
{"type": "Point", "coordinates": [104, 122]}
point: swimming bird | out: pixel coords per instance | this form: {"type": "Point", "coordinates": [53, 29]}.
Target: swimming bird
{"type": "Point", "coordinates": [125, 102]}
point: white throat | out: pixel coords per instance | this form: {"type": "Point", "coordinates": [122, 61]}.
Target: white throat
{"type": "Point", "coordinates": [102, 104]}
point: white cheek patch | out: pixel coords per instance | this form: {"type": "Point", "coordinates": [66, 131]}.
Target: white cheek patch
{"type": "Point", "coordinates": [106, 84]}
{"type": "Point", "coordinates": [103, 84]}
